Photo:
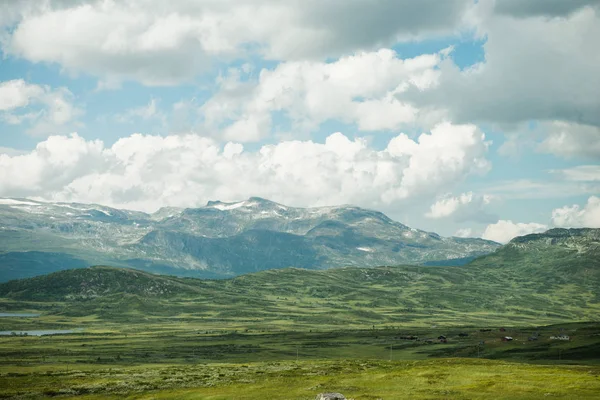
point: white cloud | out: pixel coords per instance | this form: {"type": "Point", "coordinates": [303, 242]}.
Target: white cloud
{"type": "Point", "coordinates": [464, 233]}
{"type": "Point", "coordinates": [46, 110]}
{"type": "Point", "coordinates": [581, 173]}
{"type": "Point", "coordinates": [146, 172]}
{"type": "Point", "coordinates": [576, 217]}
{"type": "Point", "coordinates": [466, 207]}
{"type": "Point", "coordinates": [354, 89]}
{"type": "Point", "coordinates": [163, 43]}
{"type": "Point", "coordinates": [147, 112]}
{"type": "Point", "coordinates": [542, 189]}
{"type": "Point", "coordinates": [535, 68]}
{"type": "Point", "coordinates": [572, 216]}
{"type": "Point", "coordinates": [449, 151]}
{"type": "Point", "coordinates": [503, 231]}
{"type": "Point", "coordinates": [571, 140]}
{"type": "Point", "coordinates": [18, 93]}
{"type": "Point", "coordinates": [53, 164]}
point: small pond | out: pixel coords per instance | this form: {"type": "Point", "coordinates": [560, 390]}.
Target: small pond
{"type": "Point", "coordinates": [39, 332]}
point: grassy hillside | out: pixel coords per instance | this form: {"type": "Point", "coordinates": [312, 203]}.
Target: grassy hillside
{"type": "Point", "coordinates": [534, 279]}
{"type": "Point", "coordinates": [97, 282]}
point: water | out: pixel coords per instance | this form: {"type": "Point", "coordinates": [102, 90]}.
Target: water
{"type": "Point", "coordinates": [40, 332]}
{"type": "Point", "coordinates": [6, 314]}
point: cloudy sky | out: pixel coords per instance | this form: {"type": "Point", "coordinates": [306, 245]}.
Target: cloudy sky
{"type": "Point", "coordinates": [464, 117]}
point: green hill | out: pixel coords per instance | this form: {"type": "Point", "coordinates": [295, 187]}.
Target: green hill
{"type": "Point", "coordinates": [543, 278]}
{"type": "Point", "coordinates": [96, 282]}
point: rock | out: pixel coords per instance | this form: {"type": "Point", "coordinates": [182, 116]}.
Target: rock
{"type": "Point", "coordinates": [330, 396]}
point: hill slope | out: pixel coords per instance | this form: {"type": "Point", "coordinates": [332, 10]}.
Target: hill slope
{"type": "Point", "coordinates": [519, 283]}
{"type": "Point", "coordinates": [218, 240]}
{"type": "Point", "coordinates": [555, 258]}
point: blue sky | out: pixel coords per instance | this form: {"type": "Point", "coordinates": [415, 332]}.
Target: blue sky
{"type": "Point", "coordinates": [467, 118]}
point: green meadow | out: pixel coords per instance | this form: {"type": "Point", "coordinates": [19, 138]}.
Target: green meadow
{"type": "Point", "coordinates": [172, 361]}
{"type": "Point", "coordinates": [406, 332]}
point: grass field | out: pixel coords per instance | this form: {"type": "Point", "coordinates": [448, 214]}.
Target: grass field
{"type": "Point", "coordinates": [290, 334]}
{"type": "Point", "coordinates": [183, 361]}
{"type": "Point", "coordinates": [358, 379]}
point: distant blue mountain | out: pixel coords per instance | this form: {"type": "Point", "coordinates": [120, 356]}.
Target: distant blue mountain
{"type": "Point", "coordinates": [218, 240]}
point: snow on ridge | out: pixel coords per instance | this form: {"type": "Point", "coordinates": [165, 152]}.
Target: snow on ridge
{"type": "Point", "coordinates": [270, 212]}
{"type": "Point", "coordinates": [82, 208]}
{"type": "Point", "coordinates": [233, 206]}
{"type": "Point", "coordinates": [12, 202]}
{"type": "Point", "coordinates": [365, 249]}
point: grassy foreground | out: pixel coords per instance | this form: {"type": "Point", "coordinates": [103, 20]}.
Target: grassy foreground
{"type": "Point", "coordinates": [423, 379]}
{"type": "Point", "coordinates": [164, 361]}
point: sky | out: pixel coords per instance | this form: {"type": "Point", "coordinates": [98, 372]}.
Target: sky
{"type": "Point", "coordinates": [472, 118]}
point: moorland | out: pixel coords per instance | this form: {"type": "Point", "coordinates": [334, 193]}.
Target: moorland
{"type": "Point", "coordinates": [370, 333]}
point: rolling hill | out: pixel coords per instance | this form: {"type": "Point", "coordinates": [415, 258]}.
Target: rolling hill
{"type": "Point", "coordinates": [549, 277]}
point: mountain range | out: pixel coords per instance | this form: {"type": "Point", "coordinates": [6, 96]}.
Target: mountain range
{"type": "Point", "coordinates": [215, 241]}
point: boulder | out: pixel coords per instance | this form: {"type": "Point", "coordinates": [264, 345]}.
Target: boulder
{"type": "Point", "coordinates": [330, 396]}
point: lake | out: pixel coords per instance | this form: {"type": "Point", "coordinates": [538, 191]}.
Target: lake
{"type": "Point", "coordinates": [40, 332]}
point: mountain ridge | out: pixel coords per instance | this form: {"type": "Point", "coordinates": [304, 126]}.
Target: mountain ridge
{"type": "Point", "coordinates": [220, 239]}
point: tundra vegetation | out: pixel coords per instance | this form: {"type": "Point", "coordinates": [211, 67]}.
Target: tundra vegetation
{"type": "Point", "coordinates": [369, 333]}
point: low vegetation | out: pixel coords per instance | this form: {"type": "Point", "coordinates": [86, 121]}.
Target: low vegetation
{"type": "Point", "coordinates": [370, 333]}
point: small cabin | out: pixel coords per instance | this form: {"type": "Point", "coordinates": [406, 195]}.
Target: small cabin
{"type": "Point", "coordinates": [502, 329]}
{"type": "Point", "coordinates": [560, 337]}
{"type": "Point", "coordinates": [507, 339]}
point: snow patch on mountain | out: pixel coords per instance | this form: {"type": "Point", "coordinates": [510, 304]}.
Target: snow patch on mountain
{"type": "Point", "coordinates": [233, 206]}
{"type": "Point", "coordinates": [13, 202]}
{"type": "Point", "coordinates": [366, 249]}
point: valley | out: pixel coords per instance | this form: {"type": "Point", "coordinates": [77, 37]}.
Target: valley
{"type": "Point", "coordinates": [383, 332]}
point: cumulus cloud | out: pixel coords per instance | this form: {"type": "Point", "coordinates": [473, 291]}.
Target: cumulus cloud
{"type": "Point", "coordinates": [535, 68]}
{"type": "Point", "coordinates": [44, 109]}
{"type": "Point", "coordinates": [465, 207]}
{"type": "Point", "coordinates": [17, 93]}
{"type": "Point", "coordinates": [573, 216]}
{"type": "Point", "coordinates": [439, 156]}
{"type": "Point", "coordinates": [53, 164]}
{"type": "Point", "coordinates": [578, 217]}
{"type": "Point", "coordinates": [354, 89]}
{"type": "Point", "coordinates": [546, 8]}
{"type": "Point", "coordinates": [163, 43]}
{"type": "Point", "coordinates": [146, 172]}
{"type": "Point", "coordinates": [571, 140]}
{"type": "Point", "coordinates": [505, 230]}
